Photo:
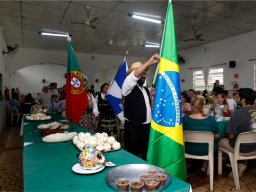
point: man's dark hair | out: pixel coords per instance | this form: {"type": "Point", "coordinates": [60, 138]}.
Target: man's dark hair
{"type": "Point", "coordinates": [225, 92]}
{"type": "Point", "coordinates": [191, 90]}
{"type": "Point", "coordinates": [102, 86]}
{"type": "Point", "coordinates": [247, 94]}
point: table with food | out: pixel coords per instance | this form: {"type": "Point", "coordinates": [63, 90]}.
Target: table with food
{"type": "Point", "coordinates": [61, 156]}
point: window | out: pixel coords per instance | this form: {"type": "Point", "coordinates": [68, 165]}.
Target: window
{"type": "Point", "coordinates": [215, 74]}
{"type": "Point", "coordinates": [198, 80]}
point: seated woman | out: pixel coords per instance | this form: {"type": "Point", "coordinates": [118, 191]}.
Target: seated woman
{"type": "Point", "coordinates": [199, 121]}
{"type": "Point", "coordinates": [221, 106]}
{"type": "Point", "coordinates": [184, 104]}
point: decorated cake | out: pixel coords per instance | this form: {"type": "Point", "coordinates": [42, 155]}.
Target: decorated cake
{"type": "Point", "coordinates": [91, 158]}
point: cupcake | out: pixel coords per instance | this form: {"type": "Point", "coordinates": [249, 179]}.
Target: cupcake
{"type": "Point", "coordinates": [162, 178]}
{"type": "Point", "coordinates": [152, 184]}
{"type": "Point", "coordinates": [122, 184]}
{"type": "Point", "coordinates": [152, 172]}
{"type": "Point", "coordinates": [144, 177]}
{"type": "Point", "coordinates": [137, 186]}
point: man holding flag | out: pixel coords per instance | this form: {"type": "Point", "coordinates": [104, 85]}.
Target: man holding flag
{"type": "Point", "coordinates": [166, 145]}
{"type": "Point", "coordinates": [76, 95]}
{"type": "Point", "coordinates": [137, 109]}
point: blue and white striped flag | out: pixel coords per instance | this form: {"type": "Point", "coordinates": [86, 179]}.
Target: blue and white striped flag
{"type": "Point", "coordinates": [114, 95]}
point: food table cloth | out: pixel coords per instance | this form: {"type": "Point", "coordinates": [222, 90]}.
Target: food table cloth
{"type": "Point", "coordinates": [48, 166]}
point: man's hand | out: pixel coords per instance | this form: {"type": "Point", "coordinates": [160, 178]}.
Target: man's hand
{"type": "Point", "coordinates": [154, 59]}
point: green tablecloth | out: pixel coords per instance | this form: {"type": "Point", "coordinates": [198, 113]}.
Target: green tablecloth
{"type": "Point", "coordinates": [47, 167]}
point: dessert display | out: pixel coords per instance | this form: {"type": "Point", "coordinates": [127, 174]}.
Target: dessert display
{"type": "Point", "coordinates": [101, 141]}
{"type": "Point", "coordinates": [144, 177]}
{"type": "Point", "coordinates": [59, 137]}
{"type": "Point", "coordinates": [140, 177]}
{"type": "Point", "coordinates": [51, 131]}
{"type": "Point", "coordinates": [48, 125]}
{"type": "Point", "coordinates": [37, 108]}
{"type": "Point", "coordinates": [91, 158]}
{"type": "Point", "coordinates": [151, 184]}
{"type": "Point", "coordinates": [137, 186]}
{"type": "Point", "coordinates": [122, 184]}
{"type": "Point", "coordinates": [162, 178]}
{"type": "Point", "coordinates": [38, 116]}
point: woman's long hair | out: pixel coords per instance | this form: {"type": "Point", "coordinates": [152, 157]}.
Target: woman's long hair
{"type": "Point", "coordinates": [198, 105]}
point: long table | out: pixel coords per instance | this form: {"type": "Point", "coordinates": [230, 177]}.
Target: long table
{"type": "Point", "coordinates": [48, 166]}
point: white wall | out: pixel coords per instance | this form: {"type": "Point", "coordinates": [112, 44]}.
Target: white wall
{"type": "Point", "coordinates": [29, 79]}
{"type": "Point", "coordinates": [103, 67]}
{"type": "Point", "coordinates": [3, 63]}
{"type": "Point", "coordinates": [3, 58]}
{"type": "Point", "coordinates": [239, 48]}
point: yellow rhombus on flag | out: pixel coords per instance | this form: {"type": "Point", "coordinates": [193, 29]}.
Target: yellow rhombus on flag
{"type": "Point", "coordinates": [166, 146]}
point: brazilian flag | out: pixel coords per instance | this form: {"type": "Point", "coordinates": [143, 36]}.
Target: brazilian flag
{"type": "Point", "coordinates": [166, 145]}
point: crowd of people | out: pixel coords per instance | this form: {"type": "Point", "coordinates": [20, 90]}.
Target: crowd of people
{"type": "Point", "coordinates": [200, 111]}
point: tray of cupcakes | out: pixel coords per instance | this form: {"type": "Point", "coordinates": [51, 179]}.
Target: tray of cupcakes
{"type": "Point", "coordinates": [138, 177]}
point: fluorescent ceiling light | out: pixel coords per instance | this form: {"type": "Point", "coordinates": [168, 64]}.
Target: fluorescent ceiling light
{"type": "Point", "coordinates": [152, 43]}
{"type": "Point", "coordinates": [147, 15]}
{"type": "Point", "coordinates": [55, 34]}
{"type": "Point", "coordinates": [145, 18]}
{"type": "Point", "coordinates": [152, 46]}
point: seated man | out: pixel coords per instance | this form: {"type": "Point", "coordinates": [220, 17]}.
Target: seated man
{"type": "Point", "coordinates": [14, 102]}
{"type": "Point", "coordinates": [242, 120]}
{"type": "Point", "coordinates": [55, 105]}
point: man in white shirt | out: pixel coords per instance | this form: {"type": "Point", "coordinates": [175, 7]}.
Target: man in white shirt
{"type": "Point", "coordinates": [137, 109]}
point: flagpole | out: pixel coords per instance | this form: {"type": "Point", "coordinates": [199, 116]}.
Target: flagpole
{"type": "Point", "coordinates": [157, 67]}
{"type": "Point", "coordinates": [126, 53]}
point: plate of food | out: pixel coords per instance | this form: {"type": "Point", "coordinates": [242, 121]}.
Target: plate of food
{"type": "Point", "coordinates": [138, 177]}
{"type": "Point", "coordinates": [38, 117]}
{"type": "Point", "coordinates": [58, 137]}
{"type": "Point", "coordinates": [77, 168]}
{"type": "Point", "coordinates": [51, 125]}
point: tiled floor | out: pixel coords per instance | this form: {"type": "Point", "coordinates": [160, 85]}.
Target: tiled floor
{"type": "Point", "coordinates": [11, 171]}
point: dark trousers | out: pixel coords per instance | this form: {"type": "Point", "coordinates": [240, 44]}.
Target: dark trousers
{"type": "Point", "coordinates": [136, 138]}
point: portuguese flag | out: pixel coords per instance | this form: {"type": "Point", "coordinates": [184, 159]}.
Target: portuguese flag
{"type": "Point", "coordinates": [76, 95]}
{"type": "Point", "coordinates": [166, 145]}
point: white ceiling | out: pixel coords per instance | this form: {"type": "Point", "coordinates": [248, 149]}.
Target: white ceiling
{"type": "Point", "coordinates": [22, 20]}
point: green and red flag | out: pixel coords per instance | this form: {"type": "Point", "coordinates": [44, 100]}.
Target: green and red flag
{"type": "Point", "coordinates": [166, 145]}
{"type": "Point", "coordinates": [76, 95]}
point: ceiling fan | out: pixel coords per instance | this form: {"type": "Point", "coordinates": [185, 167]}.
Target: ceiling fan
{"type": "Point", "coordinates": [196, 37]}
{"type": "Point", "coordinates": [11, 50]}
{"type": "Point", "coordinates": [89, 22]}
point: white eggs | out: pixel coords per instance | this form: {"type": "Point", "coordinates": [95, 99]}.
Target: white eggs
{"type": "Point", "coordinates": [81, 136]}
{"type": "Point", "coordinates": [100, 148]}
{"type": "Point", "coordinates": [116, 145]}
{"type": "Point", "coordinates": [111, 140]}
{"type": "Point", "coordinates": [100, 140]}
{"type": "Point", "coordinates": [107, 147]}
{"type": "Point", "coordinates": [87, 135]}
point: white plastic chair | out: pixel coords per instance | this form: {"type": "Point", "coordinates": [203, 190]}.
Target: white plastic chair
{"type": "Point", "coordinates": [235, 155]}
{"type": "Point", "coordinates": [202, 137]}
{"type": "Point", "coordinates": [14, 112]}
{"type": "Point", "coordinates": [120, 129]}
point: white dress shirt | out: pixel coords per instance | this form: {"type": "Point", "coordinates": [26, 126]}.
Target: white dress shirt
{"type": "Point", "coordinates": [129, 83]}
